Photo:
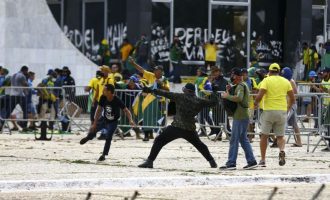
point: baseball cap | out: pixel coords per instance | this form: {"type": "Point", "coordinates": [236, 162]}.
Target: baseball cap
{"type": "Point", "coordinates": [274, 67]}
{"type": "Point", "coordinates": [105, 68]}
{"type": "Point", "coordinates": [118, 75]}
{"type": "Point", "coordinates": [244, 70]}
{"type": "Point", "coordinates": [236, 71]}
{"type": "Point", "coordinates": [312, 74]}
{"type": "Point", "coordinates": [5, 71]}
{"type": "Point", "coordinates": [50, 71]}
{"type": "Point", "coordinates": [326, 70]}
{"type": "Point", "coordinates": [190, 87]}
{"type": "Point", "coordinates": [134, 79]}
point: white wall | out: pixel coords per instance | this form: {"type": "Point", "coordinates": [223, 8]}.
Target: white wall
{"type": "Point", "coordinates": [29, 35]}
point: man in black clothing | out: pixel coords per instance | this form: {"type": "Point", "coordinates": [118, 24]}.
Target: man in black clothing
{"type": "Point", "coordinates": [111, 105]}
{"type": "Point", "coordinates": [68, 80]}
{"type": "Point", "coordinates": [183, 125]}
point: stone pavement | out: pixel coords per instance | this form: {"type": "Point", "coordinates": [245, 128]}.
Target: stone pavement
{"type": "Point", "coordinates": [63, 169]}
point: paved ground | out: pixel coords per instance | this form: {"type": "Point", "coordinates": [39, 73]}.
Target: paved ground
{"type": "Point", "coordinates": [24, 159]}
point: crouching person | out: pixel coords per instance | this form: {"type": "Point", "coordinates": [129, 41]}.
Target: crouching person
{"type": "Point", "coordinates": [111, 106]}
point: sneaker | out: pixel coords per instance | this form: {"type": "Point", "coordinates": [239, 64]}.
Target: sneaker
{"type": "Point", "coordinates": [251, 165]}
{"type": "Point", "coordinates": [213, 164]}
{"type": "Point", "coordinates": [101, 158]}
{"type": "Point", "coordinates": [281, 156]}
{"type": "Point", "coordinates": [228, 167]}
{"type": "Point", "coordinates": [84, 140]}
{"type": "Point", "coordinates": [262, 163]}
{"type": "Point", "coordinates": [87, 138]}
{"type": "Point", "coordinates": [147, 164]}
{"type": "Point", "coordinates": [102, 137]}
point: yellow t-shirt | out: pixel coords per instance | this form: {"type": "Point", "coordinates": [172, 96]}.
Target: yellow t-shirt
{"type": "Point", "coordinates": [151, 78]}
{"type": "Point", "coordinates": [102, 83]}
{"type": "Point", "coordinates": [306, 56]}
{"type": "Point", "coordinates": [93, 83]}
{"type": "Point", "coordinates": [210, 52]}
{"type": "Point", "coordinates": [276, 88]}
{"type": "Point", "coordinates": [125, 50]}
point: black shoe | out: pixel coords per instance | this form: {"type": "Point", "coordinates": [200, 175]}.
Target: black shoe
{"type": "Point", "coordinates": [213, 164]}
{"type": "Point", "coordinates": [102, 137]}
{"type": "Point", "coordinates": [281, 157]}
{"type": "Point", "coordinates": [145, 139]}
{"type": "Point", "coordinates": [84, 140]}
{"type": "Point", "coordinates": [101, 158]}
{"type": "Point", "coordinates": [228, 167]}
{"type": "Point", "coordinates": [147, 164]}
{"type": "Point", "coordinates": [87, 138]}
{"type": "Point", "coordinates": [251, 165]}
{"type": "Point", "coordinates": [26, 130]}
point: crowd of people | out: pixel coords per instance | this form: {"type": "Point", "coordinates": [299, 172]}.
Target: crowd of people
{"type": "Point", "coordinates": [274, 88]}
{"type": "Point", "coordinates": [19, 89]}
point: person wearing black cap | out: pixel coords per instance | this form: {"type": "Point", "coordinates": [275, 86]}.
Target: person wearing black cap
{"type": "Point", "coordinates": [188, 105]}
{"type": "Point", "coordinates": [69, 82]}
{"type": "Point", "coordinates": [240, 122]}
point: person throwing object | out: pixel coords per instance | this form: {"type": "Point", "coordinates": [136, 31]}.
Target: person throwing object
{"type": "Point", "coordinates": [188, 105]}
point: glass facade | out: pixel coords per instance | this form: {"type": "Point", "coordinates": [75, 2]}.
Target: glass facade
{"type": "Point", "coordinates": [229, 26]}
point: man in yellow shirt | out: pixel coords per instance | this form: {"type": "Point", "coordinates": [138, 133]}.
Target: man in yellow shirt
{"type": "Point", "coordinates": [275, 90]}
{"type": "Point", "coordinates": [210, 53]}
{"type": "Point", "coordinates": [92, 87]}
{"type": "Point", "coordinates": [156, 80]}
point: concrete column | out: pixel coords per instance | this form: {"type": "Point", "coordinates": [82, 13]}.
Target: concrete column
{"type": "Point", "coordinates": [138, 18]}
{"type": "Point", "coordinates": [297, 29]}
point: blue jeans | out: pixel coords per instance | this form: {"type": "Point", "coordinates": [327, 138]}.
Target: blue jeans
{"type": "Point", "coordinates": [239, 135]}
{"type": "Point", "coordinates": [110, 128]}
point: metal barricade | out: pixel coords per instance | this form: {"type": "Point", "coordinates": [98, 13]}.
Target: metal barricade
{"type": "Point", "coordinates": [215, 118]}
{"type": "Point", "coordinates": [77, 107]}
{"type": "Point", "coordinates": [306, 117]}
{"type": "Point", "coordinates": [148, 111]}
{"type": "Point", "coordinates": [27, 105]}
{"type": "Point", "coordinates": [324, 121]}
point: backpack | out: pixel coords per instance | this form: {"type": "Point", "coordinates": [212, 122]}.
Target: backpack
{"type": "Point", "coordinates": [230, 106]}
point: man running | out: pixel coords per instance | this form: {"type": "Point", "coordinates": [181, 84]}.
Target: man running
{"type": "Point", "coordinates": [111, 105]}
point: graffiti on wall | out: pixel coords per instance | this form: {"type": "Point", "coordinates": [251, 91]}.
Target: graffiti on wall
{"type": "Point", "coordinates": [89, 45]}
{"type": "Point", "coordinates": [159, 44]}
{"type": "Point", "coordinates": [268, 47]}
{"type": "Point", "coordinates": [232, 45]}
